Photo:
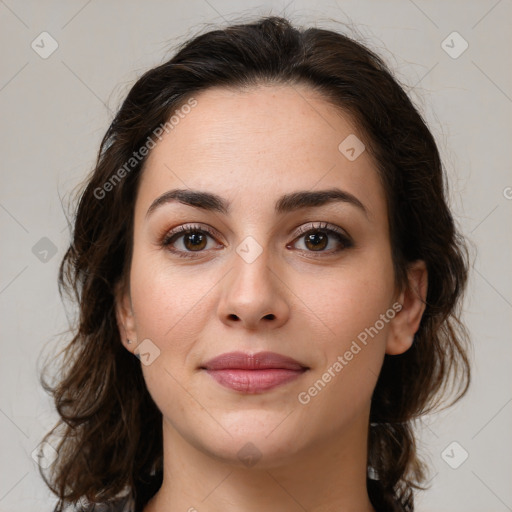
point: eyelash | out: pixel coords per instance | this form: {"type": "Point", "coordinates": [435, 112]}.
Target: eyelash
{"type": "Point", "coordinates": [329, 229]}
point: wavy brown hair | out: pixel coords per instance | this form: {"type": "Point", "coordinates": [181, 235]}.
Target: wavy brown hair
{"type": "Point", "coordinates": [100, 394]}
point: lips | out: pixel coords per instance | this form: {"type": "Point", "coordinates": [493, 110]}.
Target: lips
{"type": "Point", "coordinates": [259, 361]}
{"type": "Point", "coordinates": [253, 373]}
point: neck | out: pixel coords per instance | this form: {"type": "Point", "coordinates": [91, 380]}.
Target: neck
{"type": "Point", "coordinates": [329, 475]}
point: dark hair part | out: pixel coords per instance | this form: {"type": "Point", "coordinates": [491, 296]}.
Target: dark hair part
{"type": "Point", "coordinates": [101, 398]}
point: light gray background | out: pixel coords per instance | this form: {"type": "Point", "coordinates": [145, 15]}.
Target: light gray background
{"type": "Point", "coordinates": [54, 112]}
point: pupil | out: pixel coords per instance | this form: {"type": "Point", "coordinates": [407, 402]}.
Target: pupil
{"type": "Point", "coordinates": [195, 239]}
{"type": "Point", "coordinates": [317, 240]}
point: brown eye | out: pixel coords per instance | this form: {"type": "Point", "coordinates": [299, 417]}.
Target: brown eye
{"type": "Point", "coordinates": [316, 241]}
{"type": "Point", "coordinates": [194, 241]}
{"type": "Point", "coordinates": [187, 239]}
{"type": "Point", "coordinates": [319, 238]}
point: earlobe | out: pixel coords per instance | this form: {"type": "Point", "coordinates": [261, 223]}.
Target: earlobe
{"type": "Point", "coordinates": [407, 321]}
{"type": "Point", "coordinates": [125, 317]}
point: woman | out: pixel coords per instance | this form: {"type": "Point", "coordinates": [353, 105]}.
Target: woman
{"type": "Point", "coordinates": [266, 231]}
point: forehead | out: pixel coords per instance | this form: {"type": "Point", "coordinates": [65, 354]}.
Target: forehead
{"type": "Point", "coordinates": [266, 140]}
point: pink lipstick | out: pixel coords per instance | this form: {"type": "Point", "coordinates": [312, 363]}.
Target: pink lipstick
{"type": "Point", "coordinates": [253, 373]}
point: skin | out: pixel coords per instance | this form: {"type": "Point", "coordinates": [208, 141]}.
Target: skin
{"type": "Point", "coordinates": [250, 147]}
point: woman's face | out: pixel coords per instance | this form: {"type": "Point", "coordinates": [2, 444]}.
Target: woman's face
{"type": "Point", "coordinates": [261, 270]}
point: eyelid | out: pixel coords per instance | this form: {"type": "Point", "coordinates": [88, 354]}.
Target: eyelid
{"type": "Point", "coordinates": [319, 226]}
{"type": "Point", "coordinates": [185, 228]}
{"type": "Point", "coordinates": [343, 237]}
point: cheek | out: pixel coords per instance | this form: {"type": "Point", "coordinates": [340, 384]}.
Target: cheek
{"type": "Point", "coordinates": [167, 304]}
{"type": "Point", "coordinates": [168, 307]}
{"type": "Point", "coordinates": [352, 299]}
{"type": "Point", "coordinates": [357, 316]}
{"type": "Point", "coordinates": [339, 389]}
{"type": "Point", "coordinates": [355, 307]}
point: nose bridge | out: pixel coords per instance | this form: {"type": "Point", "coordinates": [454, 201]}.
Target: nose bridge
{"type": "Point", "coordinates": [251, 277]}
{"type": "Point", "coordinates": [252, 293]}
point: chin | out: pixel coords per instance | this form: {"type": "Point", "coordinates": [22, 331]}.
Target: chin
{"type": "Point", "coordinates": [254, 443]}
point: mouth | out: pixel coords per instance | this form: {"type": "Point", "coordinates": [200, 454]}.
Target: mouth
{"type": "Point", "coordinates": [253, 373]}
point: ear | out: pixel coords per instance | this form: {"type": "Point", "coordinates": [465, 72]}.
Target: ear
{"type": "Point", "coordinates": [125, 316]}
{"type": "Point", "coordinates": [407, 321]}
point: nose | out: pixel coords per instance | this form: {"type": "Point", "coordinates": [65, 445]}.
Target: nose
{"type": "Point", "coordinates": [254, 296]}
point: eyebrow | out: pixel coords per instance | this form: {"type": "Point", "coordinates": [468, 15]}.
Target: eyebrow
{"type": "Point", "coordinates": [287, 203]}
